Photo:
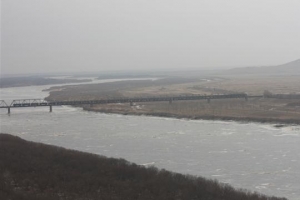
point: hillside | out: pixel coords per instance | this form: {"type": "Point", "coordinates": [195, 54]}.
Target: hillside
{"type": "Point", "coordinates": [291, 68]}
{"type": "Point", "coordinates": [32, 171]}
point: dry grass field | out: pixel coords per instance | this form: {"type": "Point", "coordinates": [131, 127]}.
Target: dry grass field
{"type": "Point", "coordinates": [255, 109]}
{"type": "Point", "coordinates": [254, 85]}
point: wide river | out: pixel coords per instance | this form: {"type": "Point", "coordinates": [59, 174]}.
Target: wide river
{"type": "Point", "coordinates": [254, 156]}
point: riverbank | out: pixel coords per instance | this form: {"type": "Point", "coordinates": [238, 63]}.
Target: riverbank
{"type": "Point", "coordinates": [32, 170]}
{"type": "Point", "coordinates": [279, 122]}
{"type": "Point", "coordinates": [225, 110]}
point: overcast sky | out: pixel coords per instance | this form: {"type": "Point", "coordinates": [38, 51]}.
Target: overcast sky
{"type": "Point", "coordinates": [40, 36]}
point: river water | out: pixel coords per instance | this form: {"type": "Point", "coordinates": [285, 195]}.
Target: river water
{"type": "Point", "coordinates": [254, 156]}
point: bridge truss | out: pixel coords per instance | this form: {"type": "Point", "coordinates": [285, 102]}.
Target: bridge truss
{"type": "Point", "coordinates": [41, 102]}
{"type": "Point", "coordinates": [3, 104]}
{"type": "Point", "coordinates": [29, 103]}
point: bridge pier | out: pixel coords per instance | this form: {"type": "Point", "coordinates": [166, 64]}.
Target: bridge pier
{"type": "Point", "coordinates": [131, 103]}
{"type": "Point", "coordinates": [208, 100]}
{"type": "Point", "coordinates": [170, 101]}
{"type": "Point", "coordinates": [8, 110]}
{"type": "Point", "coordinates": [50, 108]}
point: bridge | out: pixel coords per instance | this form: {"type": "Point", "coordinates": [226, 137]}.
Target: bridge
{"type": "Point", "coordinates": [21, 103]}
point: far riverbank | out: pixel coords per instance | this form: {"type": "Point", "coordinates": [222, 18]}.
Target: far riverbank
{"type": "Point", "coordinates": [264, 110]}
{"type": "Point", "coordinates": [205, 112]}
{"type": "Point", "coordinates": [280, 122]}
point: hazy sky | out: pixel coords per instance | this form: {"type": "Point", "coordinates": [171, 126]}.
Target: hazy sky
{"type": "Point", "coordinates": [95, 35]}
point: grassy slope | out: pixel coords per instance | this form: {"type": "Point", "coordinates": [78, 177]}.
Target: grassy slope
{"type": "Point", "coordinates": [31, 170]}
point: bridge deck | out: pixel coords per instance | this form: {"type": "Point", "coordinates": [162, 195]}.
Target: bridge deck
{"type": "Point", "coordinates": [41, 102]}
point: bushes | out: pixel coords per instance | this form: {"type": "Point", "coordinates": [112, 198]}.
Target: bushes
{"type": "Point", "coordinates": [34, 171]}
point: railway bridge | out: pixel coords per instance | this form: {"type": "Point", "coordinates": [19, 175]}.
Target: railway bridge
{"type": "Point", "coordinates": [23, 103]}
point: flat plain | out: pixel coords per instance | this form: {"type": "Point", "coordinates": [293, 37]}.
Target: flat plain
{"type": "Point", "coordinates": [278, 110]}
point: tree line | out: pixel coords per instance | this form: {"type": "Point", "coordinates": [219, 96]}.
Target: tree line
{"type": "Point", "coordinates": [31, 171]}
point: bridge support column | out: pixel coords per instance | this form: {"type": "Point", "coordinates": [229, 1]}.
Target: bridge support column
{"type": "Point", "coordinates": [50, 108]}
{"type": "Point", "coordinates": [170, 101]}
{"type": "Point", "coordinates": [208, 100]}
{"type": "Point", "coordinates": [8, 110]}
{"type": "Point", "coordinates": [131, 103]}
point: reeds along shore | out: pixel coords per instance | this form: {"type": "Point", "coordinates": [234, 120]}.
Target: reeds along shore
{"type": "Point", "coordinates": [32, 171]}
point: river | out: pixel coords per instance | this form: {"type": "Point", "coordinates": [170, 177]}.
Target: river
{"type": "Point", "coordinates": [254, 156]}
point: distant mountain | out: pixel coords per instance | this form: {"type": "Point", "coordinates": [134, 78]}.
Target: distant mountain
{"type": "Point", "coordinates": [291, 66]}
{"type": "Point", "coordinates": [288, 68]}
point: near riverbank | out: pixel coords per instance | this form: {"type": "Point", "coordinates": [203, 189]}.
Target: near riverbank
{"type": "Point", "coordinates": [37, 171]}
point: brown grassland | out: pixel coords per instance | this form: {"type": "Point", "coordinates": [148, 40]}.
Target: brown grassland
{"type": "Point", "coordinates": [284, 110]}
